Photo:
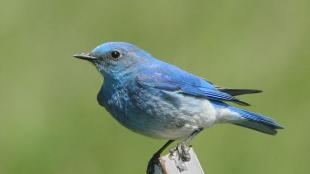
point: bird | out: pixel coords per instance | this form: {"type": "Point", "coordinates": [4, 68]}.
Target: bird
{"type": "Point", "coordinates": [160, 100]}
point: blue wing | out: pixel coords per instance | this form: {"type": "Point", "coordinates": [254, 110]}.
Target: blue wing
{"type": "Point", "coordinates": [170, 78]}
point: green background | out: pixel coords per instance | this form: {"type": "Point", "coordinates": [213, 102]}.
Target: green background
{"type": "Point", "coordinates": [50, 121]}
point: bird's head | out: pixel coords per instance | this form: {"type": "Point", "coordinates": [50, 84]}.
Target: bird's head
{"type": "Point", "coordinates": [116, 58]}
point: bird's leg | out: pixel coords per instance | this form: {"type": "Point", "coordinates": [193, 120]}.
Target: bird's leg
{"type": "Point", "coordinates": [155, 158]}
{"type": "Point", "coordinates": [192, 135]}
{"type": "Point", "coordinates": [183, 147]}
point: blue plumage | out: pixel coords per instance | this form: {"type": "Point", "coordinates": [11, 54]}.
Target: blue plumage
{"type": "Point", "coordinates": [256, 121]}
{"type": "Point", "coordinates": [158, 99]}
{"type": "Point", "coordinates": [169, 77]}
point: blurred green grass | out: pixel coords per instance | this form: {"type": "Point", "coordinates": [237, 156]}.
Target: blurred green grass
{"type": "Point", "coordinates": [51, 123]}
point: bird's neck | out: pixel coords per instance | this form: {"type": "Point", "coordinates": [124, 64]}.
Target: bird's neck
{"type": "Point", "coordinates": [116, 80]}
{"type": "Point", "coordinates": [111, 87]}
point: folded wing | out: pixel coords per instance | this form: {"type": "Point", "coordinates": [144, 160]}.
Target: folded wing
{"type": "Point", "coordinates": [185, 83]}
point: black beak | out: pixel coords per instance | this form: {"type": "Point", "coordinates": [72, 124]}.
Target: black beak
{"type": "Point", "coordinates": [85, 56]}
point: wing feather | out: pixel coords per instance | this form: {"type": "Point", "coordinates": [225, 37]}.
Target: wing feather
{"type": "Point", "coordinates": [187, 84]}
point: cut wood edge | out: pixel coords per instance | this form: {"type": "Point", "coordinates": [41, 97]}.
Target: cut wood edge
{"type": "Point", "coordinates": [171, 164]}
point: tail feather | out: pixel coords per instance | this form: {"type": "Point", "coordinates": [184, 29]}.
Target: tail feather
{"type": "Point", "coordinates": [256, 121]}
{"type": "Point", "coordinates": [257, 126]}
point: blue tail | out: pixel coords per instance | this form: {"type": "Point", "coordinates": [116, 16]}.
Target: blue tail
{"type": "Point", "coordinates": [256, 121]}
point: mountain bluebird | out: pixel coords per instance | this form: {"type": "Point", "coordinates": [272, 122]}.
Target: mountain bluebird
{"type": "Point", "coordinates": [160, 100]}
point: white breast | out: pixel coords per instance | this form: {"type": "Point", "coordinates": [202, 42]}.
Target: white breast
{"type": "Point", "coordinates": [196, 112]}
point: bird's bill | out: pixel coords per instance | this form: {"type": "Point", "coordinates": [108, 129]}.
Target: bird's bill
{"type": "Point", "coordinates": [85, 56]}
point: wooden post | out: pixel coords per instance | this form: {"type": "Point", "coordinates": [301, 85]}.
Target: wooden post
{"type": "Point", "coordinates": [172, 164]}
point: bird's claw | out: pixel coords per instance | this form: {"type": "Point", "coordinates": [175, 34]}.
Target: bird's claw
{"type": "Point", "coordinates": [182, 150]}
{"type": "Point", "coordinates": [180, 154]}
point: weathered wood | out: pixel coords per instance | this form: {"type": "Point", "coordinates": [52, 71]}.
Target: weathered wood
{"type": "Point", "coordinates": [172, 164]}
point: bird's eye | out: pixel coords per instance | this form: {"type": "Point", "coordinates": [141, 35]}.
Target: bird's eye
{"type": "Point", "coordinates": [115, 54]}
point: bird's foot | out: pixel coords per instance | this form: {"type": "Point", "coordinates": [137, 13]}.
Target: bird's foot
{"type": "Point", "coordinates": [180, 154]}
{"type": "Point", "coordinates": [182, 151]}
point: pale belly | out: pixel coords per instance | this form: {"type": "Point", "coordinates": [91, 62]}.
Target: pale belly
{"type": "Point", "coordinates": [169, 116]}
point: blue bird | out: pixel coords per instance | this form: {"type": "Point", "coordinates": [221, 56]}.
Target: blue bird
{"type": "Point", "coordinates": [160, 100]}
